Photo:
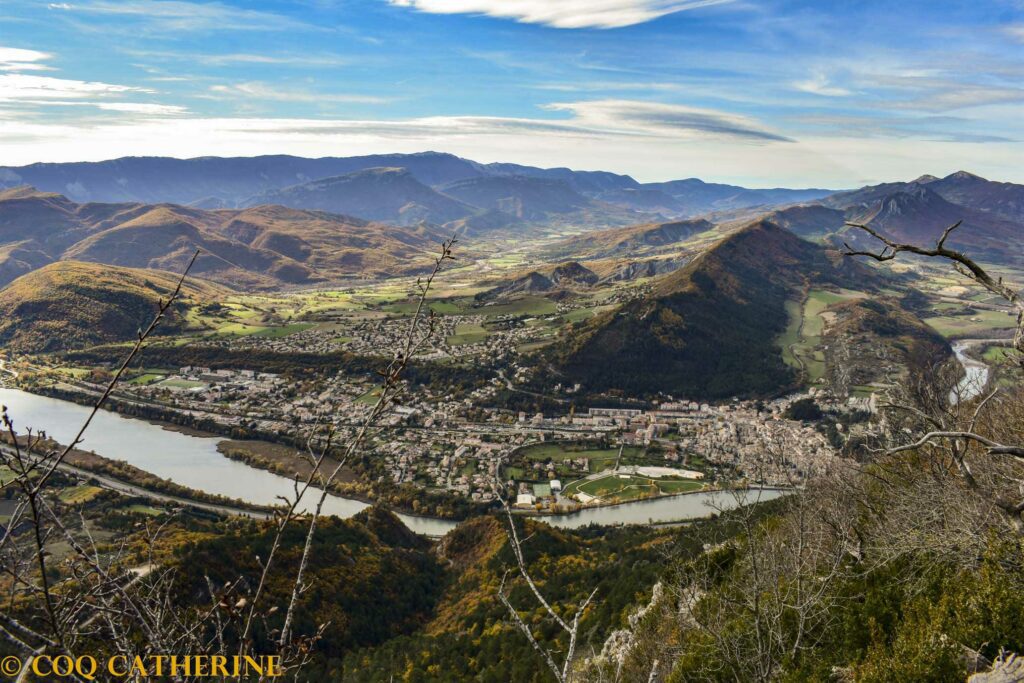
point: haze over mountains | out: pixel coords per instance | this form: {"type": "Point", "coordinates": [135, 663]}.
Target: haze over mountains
{"type": "Point", "coordinates": [379, 216]}
{"type": "Point", "coordinates": [256, 247]}
{"type": "Point", "coordinates": [523, 192]}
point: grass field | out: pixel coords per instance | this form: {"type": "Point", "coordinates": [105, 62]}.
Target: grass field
{"type": "Point", "coordinates": [181, 384]}
{"type": "Point", "coordinates": [143, 510]}
{"type": "Point", "coordinates": [533, 346]}
{"type": "Point", "coordinates": [1000, 354]}
{"type": "Point", "coordinates": [467, 333]}
{"type": "Point", "coordinates": [977, 323]}
{"type": "Point", "coordinates": [600, 458]}
{"type": "Point", "coordinates": [82, 493]}
{"type": "Point", "coordinates": [146, 378]}
{"type": "Point", "coordinates": [438, 306]}
{"type": "Point", "coordinates": [370, 397]}
{"type": "Point", "coordinates": [622, 488]}
{"type": "Point", "coordinates": [804, 328]}
{"type": "Point", "coordinates": [6, 475]}
{"type": "Point", "coordinates": [528, 305]}
{"type": "Point", "coordinates": [76, 373]}
{"type": "Point", "coordinates": [283, 330]}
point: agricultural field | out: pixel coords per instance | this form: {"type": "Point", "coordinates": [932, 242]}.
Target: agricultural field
{"type": "Point", "coordinates": [467, 333]}
{"type": "Point", "coordinates": [978, 323]}
{"type": "Point", "coordinates": [83, 493]}
{"type": "Point", "coordinates": [806, 323]}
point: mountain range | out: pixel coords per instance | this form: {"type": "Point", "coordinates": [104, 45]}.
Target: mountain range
{"type": "Point", "coordinates": [709, 329]}
{"type": "Point", "coordinates": [306, 233]}
{"type": "Point", "coordinates": [521, 192]}
{"type": "Point", "coordinates": [263, 246]}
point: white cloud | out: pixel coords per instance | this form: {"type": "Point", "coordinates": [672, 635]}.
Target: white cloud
{"type": "Point", "coordinates": [15, 86]}
{"type": "Point", "coordinates": [142, 108]}
{"type": "Point", "coordinates": [182, 15]}
{"type": "Point", "coordinates": [30, 92]}
{"type": "Point", "coordinates": [18, 59]}
{"type": "Point", "coordinates": [602, 14]}
{"type": "Point", "coordinates": [665, 120]}
{"type": "Point", "coordinates": [1015, 31]}
{"type": "Point", "coordinates": [257, 90]}
{"type": "Point", "coordinates": [819, 85]}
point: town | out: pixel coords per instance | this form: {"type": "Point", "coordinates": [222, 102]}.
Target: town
{"type": "Point", "coordinates": [461, 447]}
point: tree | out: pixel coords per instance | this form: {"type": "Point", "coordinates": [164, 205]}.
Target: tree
{"type": "Point", "coordinates": [92, 597]}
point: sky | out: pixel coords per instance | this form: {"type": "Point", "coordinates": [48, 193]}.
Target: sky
{"type": "Point", "coordinates": [762, 93]}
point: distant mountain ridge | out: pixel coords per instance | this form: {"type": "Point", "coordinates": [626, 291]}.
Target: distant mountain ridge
{"type": "Point", "coordinates": [386, 194]}
{"type": "Point", "coordinates": [262, 246]}
{"type": "Point", "coordinates": [220, 182]}
{"type": "Point", "coordinates": [992, 214]}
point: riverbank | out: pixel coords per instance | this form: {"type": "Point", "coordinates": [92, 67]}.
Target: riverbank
{"type": "Point", "coordinates": [120, 475]}
{"type": "Point", "coordinates": [276, 455]}
{"type": "Point", "coordinates": [529, 512]}
{"type": "Point", "coordinates": [195, 463]}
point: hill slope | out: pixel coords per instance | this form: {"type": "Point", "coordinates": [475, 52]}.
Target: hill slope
{"type": "Point", "coordinates": [71, 305]}
{"type": "Point", "coordinates": [629, 240]}
{"type": "Point", "coordinates": [257, 247]}
{"type": "Point", "coordinates": [385, 194]}
{"type": "Point", "coordinates": [707, 330]}
{"type": "Point", "coordinates": [918, 215]}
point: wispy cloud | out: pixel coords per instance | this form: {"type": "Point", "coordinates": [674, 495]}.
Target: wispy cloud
{"type": "Point", "coordinates": [819, 84]}
{"type": "Point", "coordinates": [935, 128]}
{"type": "Point", "coordinates": [243, 58]}
{"type": "Point", "coordinates": [672, 120]}
{"type": "Point", "coordinates": [1015, 31]}
{"type": "Point", "coordinates": [28, 91]}
{"type": "Point", "coordinates": [256, 90]}
{"type": "Point", "coordinates": [182, 15]}
{"type": "Point", "coordinates": [601, 14]}
{"type": "Point", "coordinates": [15, 86]}
{"type": "Point", "coordinates": [146, 108]}
{"type": "Point", "coordinates": [18, 59]}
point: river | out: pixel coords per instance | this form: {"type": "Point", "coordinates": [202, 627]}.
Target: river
{"type": "Point", "coordinates": [975, 372]}
{"type": "Point", "coordinates": [195, 462]}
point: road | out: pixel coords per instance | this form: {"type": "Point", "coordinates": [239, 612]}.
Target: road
{"type": "Point", "coordinates": [113, 484]}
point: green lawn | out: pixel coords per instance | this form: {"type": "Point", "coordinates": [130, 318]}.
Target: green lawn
{"type": "Point", "coordinates": [282, 331]}
{"type": "Point", "coordinates": [467, 333]}
{"type": "Point", "coordinates": [370, 397]}
{"type": "Point", "coordinates": [146, 378]}
{"type": "Point", "coordinates": [622, 488]}
{"type": "Point", "coordinates": [600, 459]}
{"type": "Point", "coordinates": [804, 327]}
{"type": "Point", "coordinates": [181, 384]}
{"type": "Point", "coordinates": [528, 305]}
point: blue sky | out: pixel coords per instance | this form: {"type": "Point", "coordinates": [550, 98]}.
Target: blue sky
{"type": "Point", "coordinates": [759, 92]}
